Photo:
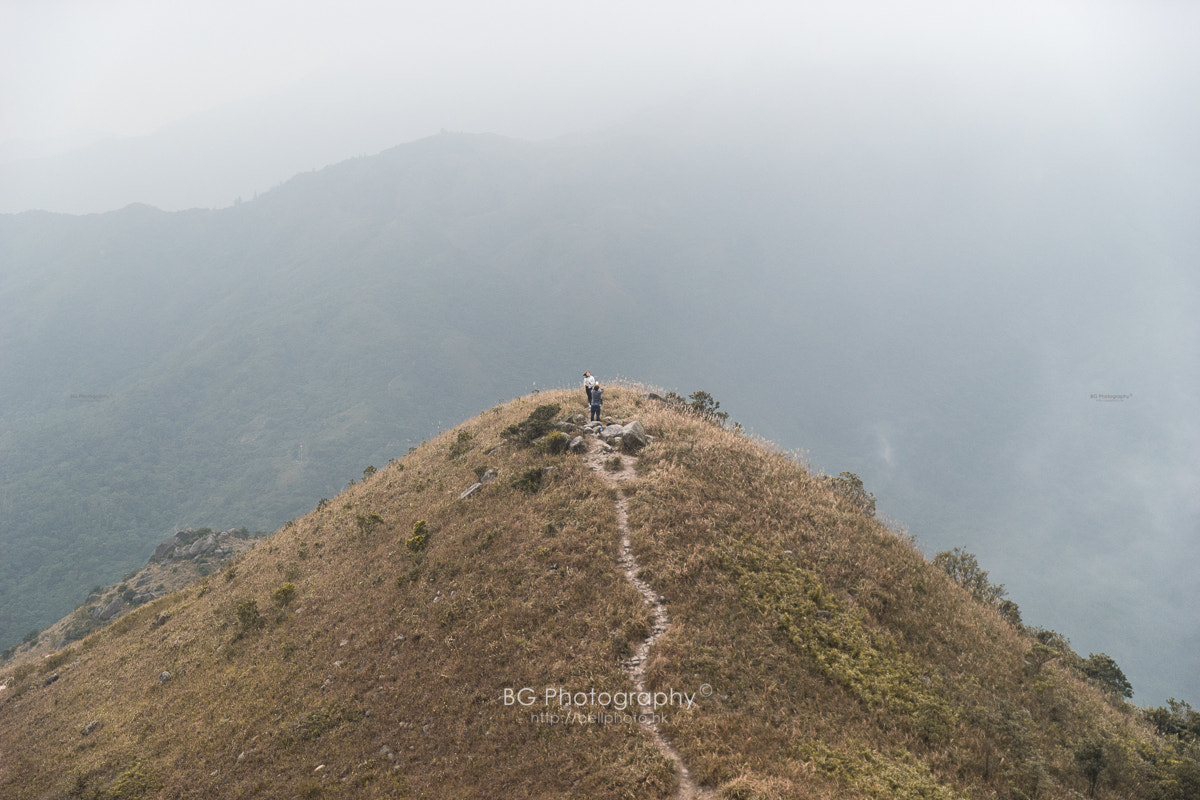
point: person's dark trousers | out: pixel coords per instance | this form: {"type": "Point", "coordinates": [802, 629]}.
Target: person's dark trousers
{"type": "Point", "coordinates": [595, 413]}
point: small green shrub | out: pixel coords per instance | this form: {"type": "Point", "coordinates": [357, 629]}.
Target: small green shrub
{"type": "Point", "coordinates": [554, 442]}
{"type": "Point", "coordinates": [284, 594]}
{"type": "Point", "coordinates": [310, 789]}
{"type": "Point", "coordinates": [461, 445]}
{"type": "Point", "coordinates": [248, 615]}
{"type": "Point", "coordinates": [530, 480]}
{"type": "Point", "coordinates": [367, 522]}
{"type": "Point", "coordinates": [420, 537]}
{"type": "Point", "coordinates": [538, 424]}
{"type": "Point", "coordinates": [1011, 613]}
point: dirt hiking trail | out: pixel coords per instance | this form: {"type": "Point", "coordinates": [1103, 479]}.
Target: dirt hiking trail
{"type": "Point", "coordinates": [597, 458]}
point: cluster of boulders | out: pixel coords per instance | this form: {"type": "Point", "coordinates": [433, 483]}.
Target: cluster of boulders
{"type": "Point", "coordinates": [628, 436]}
{"type": "Point", "coordinates": [187, 544]}
{"type": "Point", "coordinates": [106, 612]}
{"type": "Point", "coordinates": [133, 596]}
{"type": "Point", "coordinates": [190, 544]}
{"type": "Point", "coordinates": [194, 543]}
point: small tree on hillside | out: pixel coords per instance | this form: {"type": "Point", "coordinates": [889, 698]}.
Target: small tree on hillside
{"type": "Point", "coordinates": [1011, 613]}
{"type": "Point", "coordinates": [1177, 719]}
{"type": "Point", "coordinates": [850, 486]}
{"type": "Point", "coordinates": [963, 568]}
{"type": "Point", "coordinates": [702, 404]}
{"type": "Point", "coordinates": [248, 616]}
{"type": "Point", "coordinates": [1102, 669]}
{"type": "Point", "coordinates": [1090, 758]}
{"type": "Point", "coordinates": [1049, 645]}
{"type": "Point", "coordinates": [708, 407]}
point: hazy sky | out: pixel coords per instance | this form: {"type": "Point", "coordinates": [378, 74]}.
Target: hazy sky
{"type": "Point", "coordinates": [72, 68]}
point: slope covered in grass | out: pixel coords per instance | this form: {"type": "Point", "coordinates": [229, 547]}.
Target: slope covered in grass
{"type": "Point", "coordinates": [845, 665]}
{"type": "Point", "coordinates": [403, 641]}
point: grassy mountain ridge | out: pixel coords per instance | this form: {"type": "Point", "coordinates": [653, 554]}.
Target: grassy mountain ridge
{"type": "Point", "coordinates": [366, 649]}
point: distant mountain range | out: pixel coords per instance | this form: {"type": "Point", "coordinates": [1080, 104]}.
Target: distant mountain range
{"type": "Point", "coordinates": [935, 323]}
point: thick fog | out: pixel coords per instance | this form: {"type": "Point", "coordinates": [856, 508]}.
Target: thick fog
{"type": "Point", "coordinates": [976, 226]}
{"type": "Point", "coordinates": [134, 101]}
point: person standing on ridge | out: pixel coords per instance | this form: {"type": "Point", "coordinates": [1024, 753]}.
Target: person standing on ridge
{"type": "Point", "coordinates": [588, 384]}
{"type": "Point", "coordinates": [596, 396]}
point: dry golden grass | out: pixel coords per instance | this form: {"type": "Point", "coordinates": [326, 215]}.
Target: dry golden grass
{"type": "Point", "coordinates": [840, 663]}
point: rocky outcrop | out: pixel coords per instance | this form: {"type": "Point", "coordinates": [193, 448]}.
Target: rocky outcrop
{"type": "Point", "coordinates": [487, 477]}
{"type": "Point", "coordinates": [163, 551]}
{"type": "Point", "coordinates": [628, 436]}
{"type": "Point", "coordinates": [634, 437]}
{"type": "Point", "coordinates": [193, 543]}
{"type": "Point", "coordinates": [107, 612]}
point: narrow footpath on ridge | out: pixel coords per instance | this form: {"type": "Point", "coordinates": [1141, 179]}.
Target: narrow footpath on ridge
{"type": "Point", "coordinates": [635, 666]}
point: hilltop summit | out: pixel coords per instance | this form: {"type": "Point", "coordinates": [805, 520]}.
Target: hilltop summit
{"type": "Point", "coordinates": [701, 617]}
